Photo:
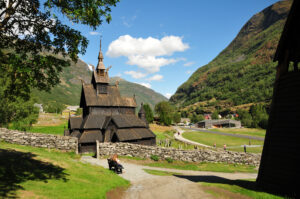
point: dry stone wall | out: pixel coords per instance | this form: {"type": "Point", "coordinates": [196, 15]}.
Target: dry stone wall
{"type": "Point", "coordinates": [201, 155]}
{"type": "Point", "coordinates": [64, 143]}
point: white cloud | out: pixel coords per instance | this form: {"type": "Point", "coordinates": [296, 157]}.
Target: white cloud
{"type": "Point", "coordinates": [150, 63]}
{"type": "Point", "coordinates": [189, 63]}
{"type": "Point", "coordinates": [155, 78]}
{"type": "Point", "coordinates": [145, 84]}
{"type": "Point", "coordinates": [147, 53]}
{"type": "Point", "coordinates": [119, 75]}
{"type": "Point", "coordinates": [94, 33]}
{"type": "Point", "coordinates": [90, 67]}
{"type": "Point", "coordinates": [135, 75]}
{"type": "Point", "coordinates": [127, 46]}
{"type": "Point", "coordinates": [168, 95]}
{"type": "Point", "coordinates": [188, 72]}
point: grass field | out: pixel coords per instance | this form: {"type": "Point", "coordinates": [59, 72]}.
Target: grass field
{"type": "Point", "coordinates": [56, 130]}
{"type": "Point", "coordinates": [220, 140]}
{"type": "Point", "coordinates": [28, 172]}
{"type": "Point", "coordinates": [205, 166]}
{"type": "Point", "coordinates": [242, 131]}
{"type": "Point", "coordinates": [161, 138]}
{"type": "Point", "coordinates": [160, 173]}
{"type": "Point", "coordinates": [242, 189]}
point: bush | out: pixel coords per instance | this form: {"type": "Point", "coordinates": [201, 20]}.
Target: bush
{"type": "Point", "coordinates": [154, 157]}
{"type": "Point", "coordinates": [169, 160]}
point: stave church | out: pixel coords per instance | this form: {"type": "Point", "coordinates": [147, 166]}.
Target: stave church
{"type": "Point", "coordinates": [106, 115]}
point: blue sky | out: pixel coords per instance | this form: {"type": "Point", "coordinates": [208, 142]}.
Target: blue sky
{"type": "Point", "coordinates": [161, 43]}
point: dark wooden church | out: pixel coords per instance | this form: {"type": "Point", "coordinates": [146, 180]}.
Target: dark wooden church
{"type": "Point", "coordinates": [107, 116]}
{"type": "Point", "coordinates": [279, 168]}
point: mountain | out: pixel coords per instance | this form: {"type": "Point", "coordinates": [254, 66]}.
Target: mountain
{"type": "Point", "coordinates": [243, 73]}
{"type": "Point", "coordinates": [142, 93]}
{"type": "Point", "coordinates": [69, 90]}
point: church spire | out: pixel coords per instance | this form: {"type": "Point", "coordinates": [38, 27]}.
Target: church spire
{"type": "Point", "coordinates": [100, 65]}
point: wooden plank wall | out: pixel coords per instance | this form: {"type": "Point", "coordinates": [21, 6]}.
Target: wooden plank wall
{"type": "Point", "coordinates": [279, 169]}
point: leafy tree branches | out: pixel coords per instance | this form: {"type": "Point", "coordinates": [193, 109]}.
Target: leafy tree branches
{"type": "Point", "coordinates": [149, 113]}
{"type": "Point", "coordinates": [35, 45]}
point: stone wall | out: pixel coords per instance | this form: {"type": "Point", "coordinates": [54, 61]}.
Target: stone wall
{"type": "Point", "coordinates": [201, 155]}
{"type": "Point", "coordinates": [64, 143]}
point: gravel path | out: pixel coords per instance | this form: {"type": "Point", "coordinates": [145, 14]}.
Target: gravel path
{"type": "Point", "coordinates": [178, 136]}
{"type": "Point", "coordinates": [146, 186]}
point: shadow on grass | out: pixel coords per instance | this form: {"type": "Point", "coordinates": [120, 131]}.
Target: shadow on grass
{"type": "Point", "coordinates": [17, 167]}
{"type": "Point", "coordinates": [246, 184]}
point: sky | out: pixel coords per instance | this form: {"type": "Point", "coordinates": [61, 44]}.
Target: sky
{"type": "Point", "coordinates": [159, 44]}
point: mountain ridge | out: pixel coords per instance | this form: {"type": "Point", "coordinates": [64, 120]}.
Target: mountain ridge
{"type": "Point", "coordinates": [68, 91]}
{"type": "Point", "coordinates": [244, 71]}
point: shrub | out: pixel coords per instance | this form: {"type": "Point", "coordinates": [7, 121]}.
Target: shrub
{"type": "Point", "coordinates": [154, 157]}
{"type": "Point", "coordinates": [169, 160]}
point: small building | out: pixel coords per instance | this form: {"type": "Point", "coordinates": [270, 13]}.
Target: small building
{"type": "Point", "coordinates": [40, 107]}
{"type": "Point", "coordinates": [219, 124]}
{"type": "Point", "coordinates": [72, 108]}
{"type": "Point", "coordinates": [106, 115]}
{"type": "Point", "coordinates": [207, 116]}
{"type": "Point", "coordinates": [185, 121]}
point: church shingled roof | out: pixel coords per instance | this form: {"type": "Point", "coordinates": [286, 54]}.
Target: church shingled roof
{"type": "Point", "coordinates": [75, 122]}
{"type": "Point", "coordinates": [134, 134]}
{"type": "Point", "coordinates": [112, 98]}
{"type": "Point", "coordinates": [128, 121]}
{"type": "Point", "coordinates": [90, 136]}
{"type": "Point", "coordinates": [76, 133]}
{"type": "Point", "coordinates": [95, 121]}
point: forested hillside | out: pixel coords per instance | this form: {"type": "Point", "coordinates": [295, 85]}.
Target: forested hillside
{"type": "Point", "coordinates": [243, 73]}
{"type": "Point", "coordinates": [69, 89]}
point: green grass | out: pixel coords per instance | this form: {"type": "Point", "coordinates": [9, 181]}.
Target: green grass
{"type": "Point", "coordinates": [205, 166]}
{"type": "Point", "coordinates": [160, 173]}
{"type": "Point", "coordinates": [56, 130]}
{"type": "Point", "coordinates": [161, 137]}
{"type": "Point", "coordinates": [220, 140]}
{"type": "Point", "coordinates": [238, 187]}
{"type": "Point", "coordinates": [243, 131]}
{"type": "Point", "coordinates": [42, 173]}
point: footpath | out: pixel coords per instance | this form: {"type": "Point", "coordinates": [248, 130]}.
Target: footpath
{"type": "Point", "coordinates": [178, 136]}
{"type": "Point", "coordinates": [183, 185]}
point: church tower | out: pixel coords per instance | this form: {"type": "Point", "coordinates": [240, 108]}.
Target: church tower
{"type": "Point", "coordinates": [100, 77]}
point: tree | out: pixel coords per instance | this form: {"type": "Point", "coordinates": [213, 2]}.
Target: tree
{"type": "Point", "coordinates": [244, 117]}
{"type": "Point", "coordinates": [177, 117]}
{"type": "Point", "coordinates": [149, 113]}
{"type": "Point", "coordinates": [35, 45]}
{"type": "Point", "coordinates": [196, 118]}
{"type": "Point", "coordinates": [54, 107]}
{"type": "Point", "coordinates": [259, 116]}
{"type": "Point", "coordinates": [215, 115]}
{"type": "Point", "coordinates": [165, 112]}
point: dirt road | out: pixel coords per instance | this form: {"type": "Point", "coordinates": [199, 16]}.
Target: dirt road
{"type": "Point", "coordinates": [146, 186]}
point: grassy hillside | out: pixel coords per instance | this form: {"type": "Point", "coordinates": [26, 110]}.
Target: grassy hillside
{"type": "Point", "coordinates": [244, 72]}
{"type": "Point", "coordinates": [69, 89]}
{"type": "Point", "coordinates": [142, 94]}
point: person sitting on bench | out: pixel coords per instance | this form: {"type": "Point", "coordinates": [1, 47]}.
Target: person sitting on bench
{"type": "Point", "coordinates": [114, 164]}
